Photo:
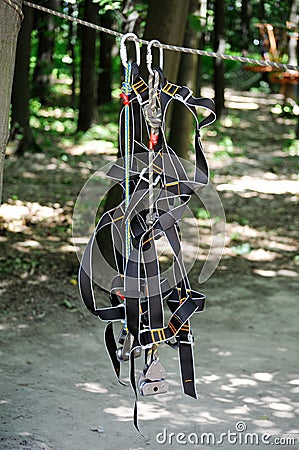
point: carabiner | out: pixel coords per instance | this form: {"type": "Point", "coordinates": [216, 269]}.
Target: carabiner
{"type": "Point", "coordinates": [149, 56]}
{"type": "Point", "coordinates": [123, 49]}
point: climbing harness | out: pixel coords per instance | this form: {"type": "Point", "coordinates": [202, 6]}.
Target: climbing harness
{"type": "Point", "coordinates": [156, 192]}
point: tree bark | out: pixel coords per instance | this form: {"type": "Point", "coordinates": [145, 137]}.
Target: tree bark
{"type": "Point", "coordinates": [289, 90]}
{"type": "Point", "coordinates": [297, 127]}
{"type": "Point", "coordinates": [105, 74]}
{"type": "Point", "coordinates": [292, 89]}
{"type": "Point", "coordinates": [182, 120]}
{"type": "Point", "coordinates": [166, 21]}
{"type": "Point", "coordinates": [72, 51]}
{"type": "Point", "coordinates": [293, 38]}
{"type": "Point", "coordinates": [246, 12]}
{"type": "Point", "coordinates": [201, 45]}
{"type": "Point", "coordinates": [261, 11]}
{"type": "Point", "coordinates": [87, 82]}
{"type": "Point", "coordinates": [46, 42]}
{"type": "Point", "coordinates": [219, 47]}
{"type": "Point", "coordinates": [10, 21]}
{"type": "Point", "coordinates": [20, 90]}
{"type": "Point", "coordinates": [131, 17]}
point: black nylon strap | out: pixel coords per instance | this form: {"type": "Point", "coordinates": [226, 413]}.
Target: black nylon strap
{"type": "Point", "coordinates": [111, 349]}
{"type": "Point", "coordinates": [139, 281]}
{"type": "Point", "coordinates": [187, 368]}
{"type": "Point", "coordinates": [181, 315]}
{"type": "Point", "coordinates": [154, 293]}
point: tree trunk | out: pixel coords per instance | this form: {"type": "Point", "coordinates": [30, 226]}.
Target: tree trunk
{"type": "Point", "coordinates": [289, 90]}
{"type": "Point", "coordinates": [105, 74]}
{"type": "Point", "coordinates": [201, 45]}
{"type": "Point", "coordinates": [166, 21]}
{"type": "Point", "coordinates": [10, 21]}
{"type": "Point", "coordinates": [293, 37]}
{"type": "Point", "coordinates": [72, 52]}
{"type": "Point", "coordinates": [219, 47]}
{"type": "Point", "coordinates": [261, 11]}
{"type": "Point", "coordinates": [246, 13]}
{"type": "Point", "coordinates": [46, 42]}
{"type": "Point", "coordinates": [20, 91]}
{"type": "Point", "coordinates": [87, 81]}
{"type": "Point", "coordinates": [131, 17]}
{"type": "Point", "coordinates": [297, 127]}
{"type": "Point", "coordinates": [182, 120]}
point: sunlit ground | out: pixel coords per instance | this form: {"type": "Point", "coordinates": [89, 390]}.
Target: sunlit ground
{"type": "Point", "coordinates": [246, 166]}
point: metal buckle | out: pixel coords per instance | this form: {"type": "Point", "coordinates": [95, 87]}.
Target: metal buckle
{"type": "Point", "coordinates": [123, 353]}
{"type": "Point", "coordinates": [152, 379]}
{"type": "Point", "coordinates": [152, 387]}
{"type": "Point", "coordinates": [149, 56]}
{"type": "Point", "coordinates": [123, 49]}
{"type": "Point", "coordinates": [150, 219]}
{"type": "Point", "coordinates": [155, 371]}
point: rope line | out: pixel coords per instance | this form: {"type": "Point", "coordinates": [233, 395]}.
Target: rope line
{"type": "Point", "coordinates": [153, 116]}
{"type": "Point", "coordinates": [126, 89]}
{"type": "Point", "coordinates": [16, 7]}
{"type": "Point", "coordinates": [193, 51]}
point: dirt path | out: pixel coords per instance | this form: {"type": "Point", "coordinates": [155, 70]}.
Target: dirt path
{"type": "Point", "coordinates": [57, 386]}
{"type": "Point", "coordinates": [57, 381]}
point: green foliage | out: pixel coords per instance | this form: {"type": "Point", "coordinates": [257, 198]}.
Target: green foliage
{"type": "Point", "coordinates": [57, 120]}
{"type": "Point", "coordinates": [235, 236]}
{"type": "Point", "coordinates": [67, 304]}
{"type": "Point", "coordinates": [202, 213]}
{"type": "Point", "coordinates": [289, 109]}
{"type": "Point", "coordinates": [60, 118]}
{"type": "Point", "coordinates": [242, 221]}
{"type": "Point", "coordinates": [195, 22]}
{"type": "Point", "coordinates": [19, 264]}
{"type": "Point", "coordinates": [276, 12]}
{"type": "Point", "coordinates": [291, 147]}
{"type": "Point", "coordinates": [226, 148]}
{"type": "Point", "coordinates": [242, 249]}
{"type": "Point", "coordinates": [108, 5]}
{"type": "Point", "coordinates": [106, 132]}
{"type": "Point", "coordinates": [263, 87]}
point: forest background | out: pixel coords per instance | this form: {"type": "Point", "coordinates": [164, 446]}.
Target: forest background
{"type": "Point", "coordinates": [63, 128]}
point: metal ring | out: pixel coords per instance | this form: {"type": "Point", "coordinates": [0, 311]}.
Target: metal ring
{"type": "Point", "coordinates": [149, 56]}
{"type": "Point", "coordinates": [123, 49]}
